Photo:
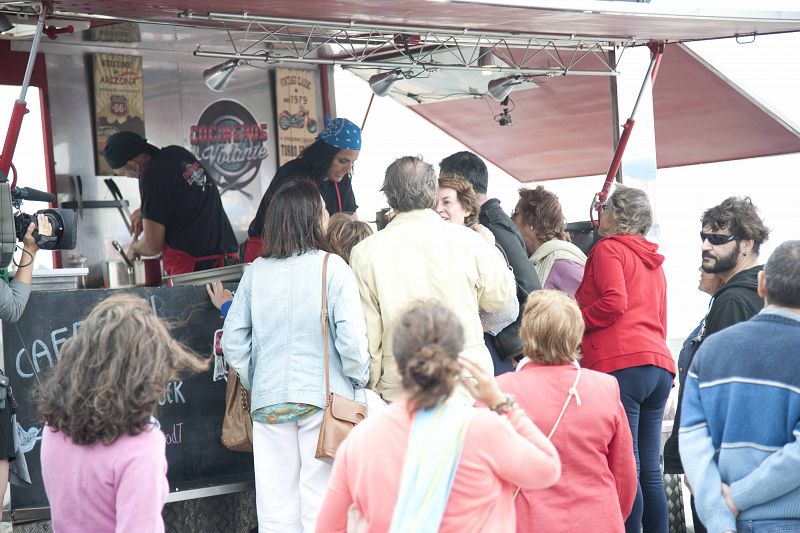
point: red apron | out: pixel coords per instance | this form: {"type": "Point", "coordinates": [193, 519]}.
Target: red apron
{"type": "Point", "coordinates": [252, 249]}
{"type": "Point", "coordinates": [179, 262]}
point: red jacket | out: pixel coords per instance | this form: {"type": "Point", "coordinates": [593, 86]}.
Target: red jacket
{"type": "Point", "coordinates": [598, 470]}
{"type": "Point", "coordinates": [623, 299]}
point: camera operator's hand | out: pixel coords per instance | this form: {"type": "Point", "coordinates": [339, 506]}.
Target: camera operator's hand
{"type": "Point", "coordinates": [136, 223]}
{"type": "Point", "coordinates": [28, 241]}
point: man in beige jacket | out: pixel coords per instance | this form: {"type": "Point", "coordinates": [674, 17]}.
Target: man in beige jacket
{"type": "Point", "coordinates": [419, 256]}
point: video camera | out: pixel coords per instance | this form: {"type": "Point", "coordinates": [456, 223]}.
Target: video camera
{"type": "Point", "coordinates": [13, 226]}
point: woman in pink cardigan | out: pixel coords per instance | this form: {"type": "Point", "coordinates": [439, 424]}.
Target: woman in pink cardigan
{"type": "Point", "coordinates": [582, 413]}
{"type": "Point", "coordinates": [431, 459]}
{"type": "Point", "coordinates": [103, 455]}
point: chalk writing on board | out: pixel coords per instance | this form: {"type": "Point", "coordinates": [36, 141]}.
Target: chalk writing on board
{"type": "Point", "coordinates": [176, 435]}
{"type": "Point", "coordinates": [30, 361]}
{"type": "Point", "coordinates": [173, 394]}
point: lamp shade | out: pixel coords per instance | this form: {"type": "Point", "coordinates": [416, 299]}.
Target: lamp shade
{"type": "Point", "coordinates": [500, 87]}
{"type": "Point", "coordinates": [5, 24]}
{"type": "Point", "coordinates": [382, 83]}
{"type": "Point", "coordinates": [217, 77]}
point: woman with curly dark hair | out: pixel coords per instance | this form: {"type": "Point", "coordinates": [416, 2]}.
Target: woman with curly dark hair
{"type": "Point", "coordinates": [558, 263]}
{"type": "Point", "coordinates": [103, 456]}
{"type": "Point", "coordinates": [432, 462]}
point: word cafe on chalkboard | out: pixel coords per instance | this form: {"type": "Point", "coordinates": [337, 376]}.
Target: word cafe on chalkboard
{"type": "Point", "coordinates": [190, 412]}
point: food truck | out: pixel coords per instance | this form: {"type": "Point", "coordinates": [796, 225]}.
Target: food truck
{"type": "Point", "coordinates": [246, 85]}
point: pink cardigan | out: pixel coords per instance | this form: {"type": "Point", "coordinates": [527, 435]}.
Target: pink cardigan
{"type": "Point", "coordinates": [120, 487]}
{"type": "Point", "coordinates": [499, 454]}
{"type": "Point", "coordinates": [598, 471]}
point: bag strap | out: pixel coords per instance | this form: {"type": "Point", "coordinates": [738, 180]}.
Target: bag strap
{"type": "Point", "coordinates": [573, 391]}
{"type": "Point", "coordinates": [325, 326]}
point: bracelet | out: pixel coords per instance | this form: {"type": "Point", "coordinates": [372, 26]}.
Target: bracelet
{"type": "Point", "coordinates": [505, 406]}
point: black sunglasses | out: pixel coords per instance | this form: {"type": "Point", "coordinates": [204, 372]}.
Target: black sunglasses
{"type": "Point", "coordinates": [716, 239]}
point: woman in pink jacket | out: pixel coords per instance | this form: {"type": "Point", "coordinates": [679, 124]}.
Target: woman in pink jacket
{"type": "Point", "coordinates": [431, 459]}
{"type": "Point", "coordinates": [103, 455]}
{"type": "Point", "coordinates": [582, 413]}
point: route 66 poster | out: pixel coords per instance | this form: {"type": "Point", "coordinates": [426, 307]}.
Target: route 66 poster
{"type": "Point", "coordinates": [118, 100]}
{"type": "Point", "coordinates": [296, 99]}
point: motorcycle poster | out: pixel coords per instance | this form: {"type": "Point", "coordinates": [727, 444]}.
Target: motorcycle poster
{"type": "Point", "coordinates": [296, 97]}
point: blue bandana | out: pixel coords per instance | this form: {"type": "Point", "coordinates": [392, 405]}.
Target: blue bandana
{"type": "Point", "coordinates": [341, 134]}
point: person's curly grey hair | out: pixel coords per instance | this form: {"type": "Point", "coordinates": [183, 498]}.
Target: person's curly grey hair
{"type": "Point", "coordinates": [410, 184]}
{"type": "Point", "coordinates": [630, 209]}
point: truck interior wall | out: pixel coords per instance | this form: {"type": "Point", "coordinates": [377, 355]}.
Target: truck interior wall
{"type": "Point", "coordinates": [175, 97]}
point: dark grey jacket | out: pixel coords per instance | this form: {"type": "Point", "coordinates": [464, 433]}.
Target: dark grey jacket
{"type": "Point", "coordinates": [509, 239]}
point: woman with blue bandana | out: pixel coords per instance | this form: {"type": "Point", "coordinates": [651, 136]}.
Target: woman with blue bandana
{"type": "Point", "coordinates": [329, 163]}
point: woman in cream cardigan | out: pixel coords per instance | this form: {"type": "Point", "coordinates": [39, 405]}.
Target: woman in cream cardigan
{"type": "Point", "coordinates": [558, 262]}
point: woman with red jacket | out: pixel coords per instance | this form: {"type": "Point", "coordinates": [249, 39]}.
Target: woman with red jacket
{"type": "Point", "coordinates": [623, 300]}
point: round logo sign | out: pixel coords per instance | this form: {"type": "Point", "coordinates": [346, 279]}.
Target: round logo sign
{"type": "Point", "coordinates": [230, 143]}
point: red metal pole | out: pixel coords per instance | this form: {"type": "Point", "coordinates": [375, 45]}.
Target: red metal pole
{"type": "Point", "coordinates": [10, 144]}
{"type": "Point", "coordinates": [657, 51]}
{"type": "Point", "coordinates": [325, 93]}
{"type": "Point", "coordinates": [17, 114]}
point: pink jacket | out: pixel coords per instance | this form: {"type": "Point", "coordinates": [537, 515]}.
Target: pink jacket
{"type": "Point", "coordinates": [598, 470]}
{"type": "Point", "coordinates": [499, 454]}
{"type": "Point", "coordinates": [116, 488]}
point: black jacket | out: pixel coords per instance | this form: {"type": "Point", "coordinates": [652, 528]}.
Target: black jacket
{"type": "Point", "coordinates": [326, 188]}
{"type": "Point", "coordinates": [508, 238]}
{"type": "Point", "coordinates": [734, 302]}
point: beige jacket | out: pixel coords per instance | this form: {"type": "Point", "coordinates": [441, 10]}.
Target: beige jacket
{"type": "Point", "coordinates": [420, 256]}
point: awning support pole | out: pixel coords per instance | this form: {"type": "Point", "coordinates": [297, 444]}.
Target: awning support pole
{"type": "Point", "coordinates": [656, 52]}
{"type": "Point", "coordinates": [369, 106]}
{"type": "Point", "coordinates": [20, 107]}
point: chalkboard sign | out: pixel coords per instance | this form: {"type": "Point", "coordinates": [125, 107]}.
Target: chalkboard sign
{"type": "Point", "coordinates": [190, 413]}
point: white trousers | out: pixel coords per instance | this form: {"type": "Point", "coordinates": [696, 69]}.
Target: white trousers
{"type": "Point", "coordinates": [290, 482]}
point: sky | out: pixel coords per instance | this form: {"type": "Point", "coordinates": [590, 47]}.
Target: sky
{"type": "Point", "coordinates": [766, 68]}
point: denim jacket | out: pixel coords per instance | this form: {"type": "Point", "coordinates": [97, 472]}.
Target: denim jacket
{"type": "Point", "coordinates": [273, 334]}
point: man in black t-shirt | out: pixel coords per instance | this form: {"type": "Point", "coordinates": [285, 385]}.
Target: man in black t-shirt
{"type": "Point", "coordinates": [181, 214]}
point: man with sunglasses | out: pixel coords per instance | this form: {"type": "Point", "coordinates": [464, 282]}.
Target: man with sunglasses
{"type": "Point", "coordinates": [732, 235]}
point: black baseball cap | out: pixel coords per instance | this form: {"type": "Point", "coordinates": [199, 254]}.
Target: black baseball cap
{"type": "Point", "coordinates": [124, 146]}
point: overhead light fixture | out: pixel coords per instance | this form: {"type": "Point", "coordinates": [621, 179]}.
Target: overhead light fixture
{"type": "Point", "coordinates": [382, 83]}
{"type": "Point", "coordinates": [501, 87]}
{"type": "Point", "coordinates": [5, 24]}
{"type": "Point", "coordinates": [218, 77]}
{"type": "Point", "coordinates": [486, 61]}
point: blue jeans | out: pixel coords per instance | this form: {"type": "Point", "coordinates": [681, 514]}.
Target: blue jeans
{"type": "Point", "coordinates": [787, 525]}
{"type": "Point", "coordinates": [644, 391]}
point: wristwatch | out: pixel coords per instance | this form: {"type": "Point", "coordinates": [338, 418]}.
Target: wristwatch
{"type": "Point", "coordinates": [505, 406]}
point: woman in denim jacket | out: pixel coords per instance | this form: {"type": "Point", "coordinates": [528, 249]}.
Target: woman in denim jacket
{"type": "Point", "coordinates": [273, 339]}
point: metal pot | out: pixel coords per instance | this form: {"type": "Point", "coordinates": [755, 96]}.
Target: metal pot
{"type": "Point", "coordinates": [117, 274]}
{"type": "Point", "coordinates": [145, 271]}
